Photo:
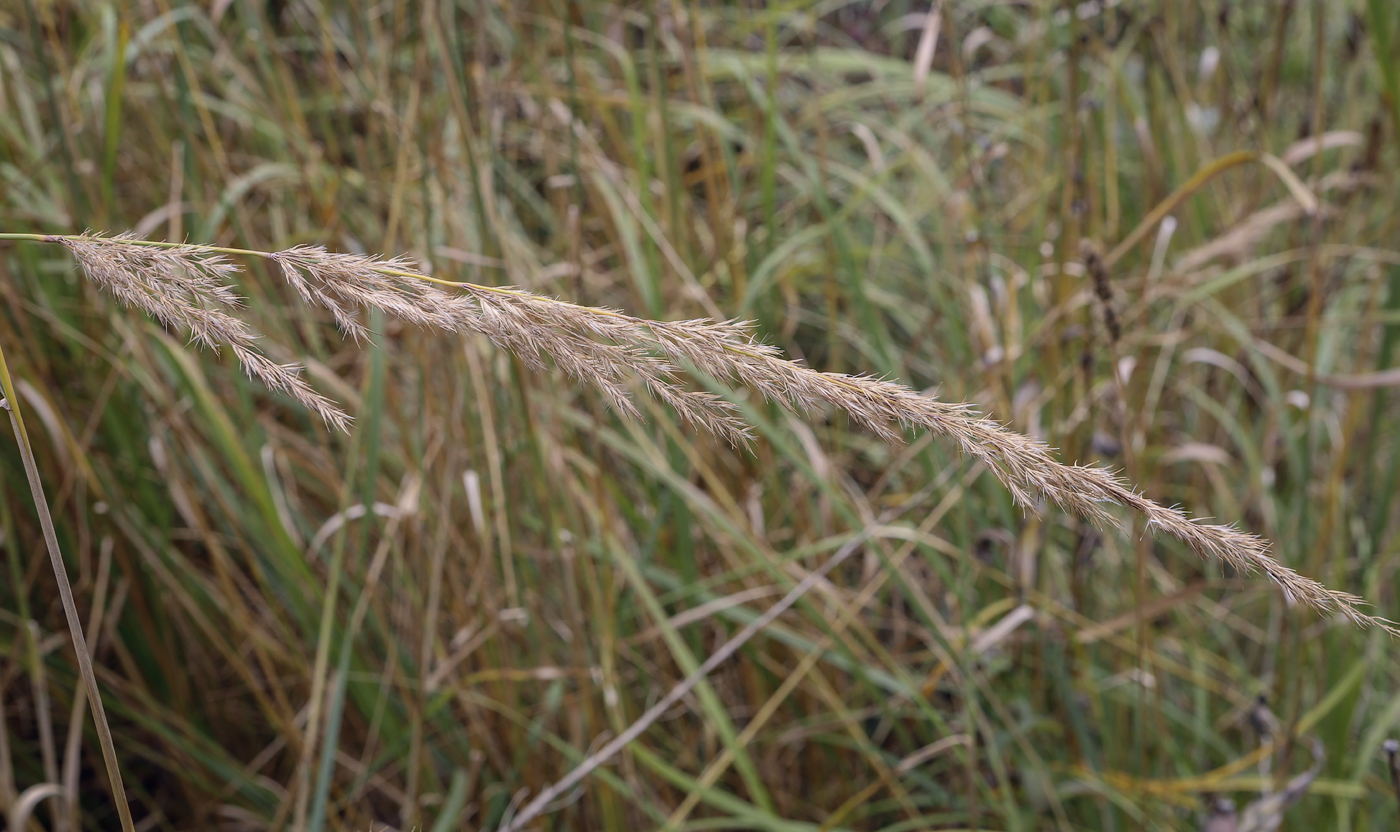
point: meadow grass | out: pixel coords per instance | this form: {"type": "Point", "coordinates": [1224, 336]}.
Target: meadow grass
{"type": "Point", "coordinates": [1154, 237]}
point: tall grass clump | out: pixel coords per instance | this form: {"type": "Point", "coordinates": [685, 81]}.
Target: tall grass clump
{"type": "Point", "coordinates": [808, 416]}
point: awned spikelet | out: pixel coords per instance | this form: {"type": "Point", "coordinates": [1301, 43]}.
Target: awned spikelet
{"type": "Point", "coordinates": [186, 287]}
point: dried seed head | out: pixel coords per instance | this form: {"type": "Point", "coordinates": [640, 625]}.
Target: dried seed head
{"type": "Point", "coordinates": [615, 353]}
{"type": "Point", "coordinates": [187, 288]}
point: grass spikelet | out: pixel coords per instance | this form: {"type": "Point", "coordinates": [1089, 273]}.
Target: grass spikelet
{"type": "Point", "coordinates": [601, 348]}
{"type": "Point", "coordinates": [187, 288]}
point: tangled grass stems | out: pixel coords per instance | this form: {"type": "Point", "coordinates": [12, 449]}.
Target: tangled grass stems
{"type": "Point", "coordinates": [184, 286]}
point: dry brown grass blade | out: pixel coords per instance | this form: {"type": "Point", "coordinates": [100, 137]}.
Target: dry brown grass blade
{"type": "Point", "coordinates": [612, 351]}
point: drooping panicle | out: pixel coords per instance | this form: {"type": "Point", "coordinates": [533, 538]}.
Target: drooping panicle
{"type": "Point", "coordinates": [617, 354]}
{"type": "Point", "coordinates": [187, 288]}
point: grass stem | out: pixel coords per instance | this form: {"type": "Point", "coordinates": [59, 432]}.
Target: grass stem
{"type": "Point", "coordinates": [65, 590]}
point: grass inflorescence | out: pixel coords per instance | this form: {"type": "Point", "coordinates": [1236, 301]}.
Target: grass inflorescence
{"type": "Point", "coordinates": [183, 286]}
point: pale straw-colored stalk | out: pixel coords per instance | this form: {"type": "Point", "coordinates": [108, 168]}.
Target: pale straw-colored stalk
{"type": "Point", "coordinates": [9, 402]}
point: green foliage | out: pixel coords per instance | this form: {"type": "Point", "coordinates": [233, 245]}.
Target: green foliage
{"type": "Point", "coordinates": [409, 625]}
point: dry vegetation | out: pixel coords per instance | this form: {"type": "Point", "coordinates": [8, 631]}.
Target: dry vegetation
{"type": "Point", "coordinates": [1153, 236]}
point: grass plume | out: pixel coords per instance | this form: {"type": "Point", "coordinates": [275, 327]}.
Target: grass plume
{"type": "Point", "coordinates": [186, 286]}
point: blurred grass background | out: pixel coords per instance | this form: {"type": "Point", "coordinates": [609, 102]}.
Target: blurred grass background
{"type": "Point", "coordinates": [513, 572]}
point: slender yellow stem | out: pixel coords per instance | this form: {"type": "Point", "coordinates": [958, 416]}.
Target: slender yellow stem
{"type": "Point", "coordinates": [65, 590]}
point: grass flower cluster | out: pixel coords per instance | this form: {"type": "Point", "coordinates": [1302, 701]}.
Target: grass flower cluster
{"type": "Point", "coordinates": [187, 287]}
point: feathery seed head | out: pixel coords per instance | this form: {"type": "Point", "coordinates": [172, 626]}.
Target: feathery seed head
{"type": "Point", "coordinates": [187, 287]}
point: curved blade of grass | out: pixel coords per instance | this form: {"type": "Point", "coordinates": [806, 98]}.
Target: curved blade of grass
{"type": "Point", "coordinates": [1295, 186]}
{"type": "Point", "coordinates": [452, 806]}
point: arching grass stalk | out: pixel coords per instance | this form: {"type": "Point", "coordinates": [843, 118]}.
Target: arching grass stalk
{"type": "Point", "coordinates": [65, 591]}
{"type": "Point", "coordinates": [186, 287]}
